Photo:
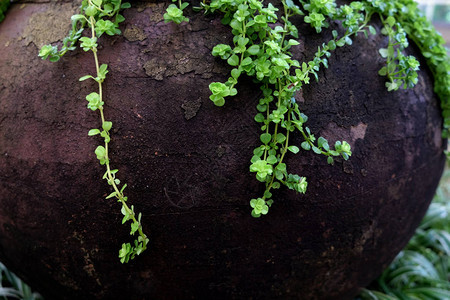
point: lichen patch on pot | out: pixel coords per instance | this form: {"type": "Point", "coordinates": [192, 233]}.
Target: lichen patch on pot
{"type": "Point", "coordinates": [191, 107]}
{"type": "Point", "coordinates": [358, 131]}
{"type": "Point", "coordinates": [154, 69]}
{"type": "Point", "coordinates": [54, 17]}
{"type": "Point", "coordinates": [134, 33]}
{"type": "Point", "coordinates": [349, 134]}
{"type": "Point", "coordinates": [180, 63]}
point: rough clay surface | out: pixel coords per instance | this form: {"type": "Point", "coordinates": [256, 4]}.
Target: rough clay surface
{"type": "Point", "coordinates": [186, 164]}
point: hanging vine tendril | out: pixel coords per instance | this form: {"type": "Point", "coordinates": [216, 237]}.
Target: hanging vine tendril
{"type": "Point", "coordinates": [261, 50]}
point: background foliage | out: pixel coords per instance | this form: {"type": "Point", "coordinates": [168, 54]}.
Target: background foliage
{"type": "Point", "coordinates": [422, 269]}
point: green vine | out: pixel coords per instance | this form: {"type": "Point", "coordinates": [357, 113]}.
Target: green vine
{"type": "Point", "coordinates": [261, 51]}
{"type": "Point", "coordinates": [263, 36]}
{"type": "Point", "coordinates": [97, 15]}
{"type": "Point", "coordinates": [420, 31]}
{"type": "Point", "coordinates": [175, 13]}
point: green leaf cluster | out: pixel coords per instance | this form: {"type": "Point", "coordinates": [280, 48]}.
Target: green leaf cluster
{"type": "Point", "coordinates": [318, 12]}
{"type": "Point", "coordinates": [106, 20]}
{"type": "Point", "coordinates": [129, 251]}
{"type": "Point", "coordinates": [4, 4]}
{"type": "Point", "coordinates": [261, 49]}
{"type": "Point", "coordinates": [404, 15]}
{"type": "Point", "coordinates": [174, 13]}
{"type": "Point", "coordinates": [401, 70]}
{"type": "Point", "coordinates": [260, 207]}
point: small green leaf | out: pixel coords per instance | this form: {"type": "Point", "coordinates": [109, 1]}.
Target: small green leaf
{"type": "Point", "coordinates": [255, 215]}
{"type": "Point", "coordinates": [97, 2]}
{"type": "Point", "coordinates": [125, 253]}
{"type": "Point", "coordinates": [247, 61]}
{"type": "Point", "coordinates": [340, 42]}
{"type": "Point", "coordinates": [125, 5]}
{"type": "Point", "coordinates": [77, 17]}
{"type": "Point", "coordinates": [259, 118]}
{"type": "Point", "coordinates": [280, 138]}
{"type": "Point", "coordinates": [235, 73]}
{"type": "Point", "coordinates": [305, 145]}
{"type": "Point", "coordinates": [335, 33]}
{"type": "Point", "coordinates": [316, 150]}
{"type": "Point", "coordinates": [107, 125]}
{"type": "Point", "coordinates": [348, 40]}
{"type": "Point", "coordinates": [330, 160]}
{"type": "Point", "coordinates": [113, 194]}
{"type": "Point", "coordinates": [391, 51]}
{"type": "Point", "coordinates": [85, 77]}
{"type": "Point", "coordinates": [383, 52]}
{"type": "Point", "coordinates": [391, 86]}
{"type": "Point", "coordinates": [233, 60]}
{"type": "Point", "coordinates": [93, 132]}
{"type": "Point", "coordinates": [107, 8]}
{"type": "Point", "coordinates": [272, 159]}
{"type": "Point", "coordinates": [390, 20]}
{"type": "Point", "coordinates": [279, 175]}
{"type": "Point", "coordinates": [294, 149]}
{"type": "Point", "coordinates": [91, 11]}
{"type": "Point", "coordinates": [134, 228]}
{"type": "Point", "coordinates": [47, 50]}
{"type": "Point", "coordinates": [242, 41]}
{"type": "Point", "coordinates": [265, 138]}
{"type": "Point", "coordinates": [332, 45]}
{"type": "Point", "coordinates": [383, 71]}
{"type": "Point", "coordinates": [100, 151]}
{"type": "Point", "coordinates": [321, 141]}
{"type": "Point", "coordinates": [184, 5]}
{"type": "Point", "coordinates": [219, 101]}
{"type": "Point", "coordinates": [253, 50]}
{"type": "Point", "coordinates": [103, 68]}
{"type": "Point", "coordinates": [281, 167]}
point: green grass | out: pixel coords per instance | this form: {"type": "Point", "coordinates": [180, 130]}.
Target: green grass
{"type": "Point", "coordinates": [422, 270]}
{"type": "Point", "coordinates": [12, 287]}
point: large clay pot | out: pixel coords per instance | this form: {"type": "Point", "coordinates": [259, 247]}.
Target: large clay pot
{"type": "Point", "coordinates": [186, 163]}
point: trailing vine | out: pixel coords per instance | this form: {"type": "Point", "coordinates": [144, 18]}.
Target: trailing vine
{"type": "Point", "coordinates": [406, 15]}
{"type": "Point", "coordinates": [97, 15]}
{"type": "Point", "coordinates": [263, 36]}
{"type": "Point", "coordinates": [261, 51]}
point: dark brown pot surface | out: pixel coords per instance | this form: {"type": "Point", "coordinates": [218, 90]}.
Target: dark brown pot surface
{"type": "Point", "coordinates": [186, 163]}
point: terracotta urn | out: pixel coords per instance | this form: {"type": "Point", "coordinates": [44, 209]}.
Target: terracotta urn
{"type": "Point", "coordinates": [186, 163]}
